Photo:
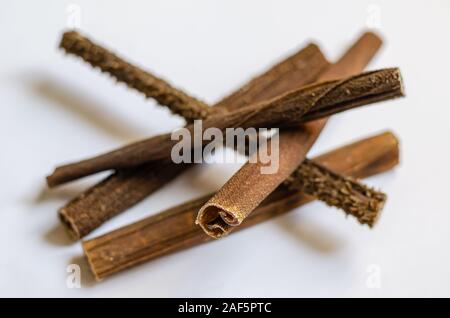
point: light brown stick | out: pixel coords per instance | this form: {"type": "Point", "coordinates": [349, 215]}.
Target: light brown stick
{"type": "Point", "coordinates": [174, 229]}
{"type": "Point", "coordinates": [248, 187]}
{"type": "Point", "coordinates": [127, 187]}
{"type": "Point", "coordinates": [291, 109]}
{"type": "Point", "coordinates": [220, 215]}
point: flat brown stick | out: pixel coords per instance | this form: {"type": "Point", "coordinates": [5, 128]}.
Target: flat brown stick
{"type": "Point", "coordinates": [249, 187]}
{"type": "Point", "coordinates": [289, 110]}
{"type": "Point", "coordinates": [127, 187]}
{"type": "Point", "coordinates": [174, 229]}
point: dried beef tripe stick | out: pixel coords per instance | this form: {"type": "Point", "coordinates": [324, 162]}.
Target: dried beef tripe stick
{"type": "Point", "coordinates": [134, 77]}
{"type": "Point", "coordinates": [249, 187]}
{"type": "Point", "coordinates": [174, 229]}
{"type": "Point", "coordinates": [127, 187]}
{"type": "Point", "coordinates": [289, 110]}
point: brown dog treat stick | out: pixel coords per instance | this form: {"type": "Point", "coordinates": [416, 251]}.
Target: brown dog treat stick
{"type": "Point", "coordinates": [127, 187]}
{"type": "Point", "coordinates": [113, 195]}
{"type": "Point", "coordinates": [134, 77]}
{"type": "Point", "coordinates": [174, 230]}
{"type": "Point", "coordinates": [352, 197]}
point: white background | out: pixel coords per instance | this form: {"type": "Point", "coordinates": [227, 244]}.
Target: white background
{"type": "Point", "coordinates": [54, 108]}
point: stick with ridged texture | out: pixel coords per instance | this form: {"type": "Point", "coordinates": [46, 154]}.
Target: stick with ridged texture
{"type": "Point", "coordinates": [134, 77]}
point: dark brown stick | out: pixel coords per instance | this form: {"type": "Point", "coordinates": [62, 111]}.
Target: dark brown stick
{"type": "Point", "coordinates": [174, 229]}
{"type": "Point", "coordinates": [291, 109]}
{"type": "Point", "coordinates": [125, 188]}
{"type": "Point", "coordinates": [352, 197]}
{"type": "Point", "coordinates": [114, 195]}
{"type": "Point", "coordinates": [178, 102]}
{"type": "Point", "coordinates": [249, 187]}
